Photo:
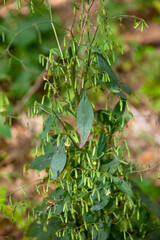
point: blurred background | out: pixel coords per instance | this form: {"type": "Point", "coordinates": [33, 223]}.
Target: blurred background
{"type": "Point", "coordinates": [23, 37]}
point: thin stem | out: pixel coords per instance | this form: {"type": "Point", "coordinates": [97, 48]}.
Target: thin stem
{"type": "Point", "coordinates": [85, 22]}
{"type": "Point", "coordinates": [26, 185]}
{"type": "Point", "coordinates": [89, 55]}
{"type": "Point", "coordinates": [54, 30]}
{"type": "Point", "coordinates": [144, 170]}
{"type": "Point", "coordinates": [119, 17]}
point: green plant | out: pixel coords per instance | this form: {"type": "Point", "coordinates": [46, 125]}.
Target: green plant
{"type": "Point", "coordinates": [94, 197]}
{"type": "Point", "coordinates": [23, 37]}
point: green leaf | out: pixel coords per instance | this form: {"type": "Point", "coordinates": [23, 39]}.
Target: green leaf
{"type": "Point", "coordinates": [96, 50]}
{"type": "Point", "coordinates": [85, 117]}
{"type": "Point", "coordinates": [119, 114]}
{"type": "Point", "coordinates": [119, 109]}
{"type": "Point", "coordinates": [36, 229]}
{"type": "Point", "coordinates": [118, 181]}
{"type": "Point", "coordinates": [144, 217]}
{"type": "Point", "coordinates": [5, 131]}
{"type": "Point", "coordinates": [155, 234]}
{"type": "Point", "coordinates": [105, 116]}
{"type": "Point", "coordinates": [126, 88]}
{"type": "Point", "coordinates": [47, 126]}
{"type": "Point", "coordinates": [125, 117]}
{"type": "Point", "coordinates": [111, 166]}
{"type": "Point", "coordinates": [100, 82]}
{"type": "Point", "coordinates": [50, 147]}
{"type": "Point", "coordinates": [111, 206]}
{"type": "Point", "coordinates": [102, 145]}
{"type": "Point", "coordinates": [60, 196]}
{"type": "Point", "coordinates": [115, 119]}
{"type": "Point", "coordinates": [113, 86]}
{"type": "Point", "coordinates": [154, 207]}
{"type": "Point", "coordinates": [41, 162]}
{"type": "Point", "coordinates": [55, 51]}
{"type": "Point", "coordinates": [103, 231]}
{"type": "Point", "coordinates": [124, 186]}
{"type": "Point", "coordinates": [104, 66]}
{"type": "Point", "coordinates": [121, 95]}
{"type": "Point", "coordinates": [104, 197]}
{"type": "Point", "coordinates": [58, 161]}
{"type": "Point", "coordinates": [68, 126]}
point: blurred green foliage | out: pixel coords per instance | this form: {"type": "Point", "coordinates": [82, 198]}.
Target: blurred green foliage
{"type": "Point", "coordinates": [15, 212]}
{"type": "Point", "coordinates": [141, 61]}
{"type": "Point", "coordinates": [23, 38]}
{"type": "Point", "coordinates": [149, 59]}
{"type": "Point", "coordinates": [148, 188]}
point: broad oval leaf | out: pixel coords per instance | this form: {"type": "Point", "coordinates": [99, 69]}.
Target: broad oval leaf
{"type": "Point", "coordinates": [51, 146]}
{"type": "Point", "coordinates": [41, 162]}
{"type": "Point", "coordinates": [124, 186]}
{"type": "Point", "coordinates": [44, 161]}
{"type": "Point", "coordinates": [85, 117]}
{"type": "Point", "coordinates": [58, 161]}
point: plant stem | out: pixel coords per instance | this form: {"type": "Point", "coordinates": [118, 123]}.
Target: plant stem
{"type": "Point", "coordinates": [85, 22]}
{"type": "Point", "coordinates": [54, 30]}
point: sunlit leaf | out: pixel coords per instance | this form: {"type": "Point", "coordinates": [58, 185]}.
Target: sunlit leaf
{"type": "Point", "coordinates": [41, 162]}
